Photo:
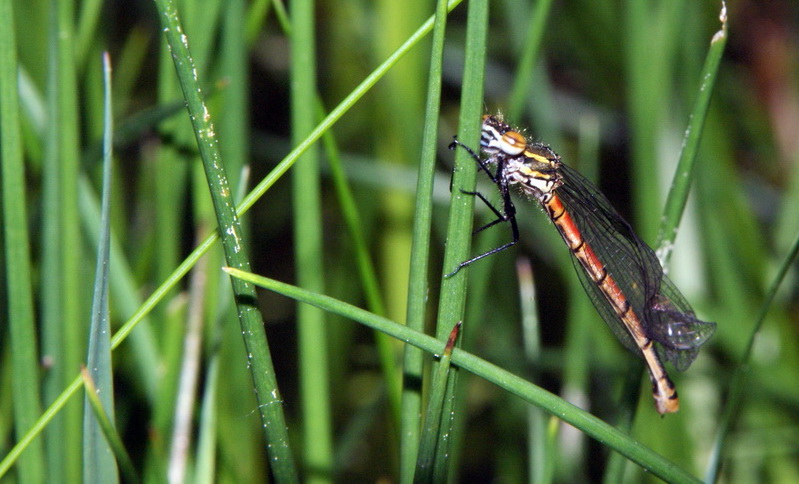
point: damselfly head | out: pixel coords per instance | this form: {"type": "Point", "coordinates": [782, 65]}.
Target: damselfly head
{"type": "Point", "coordinates": [497, 136]}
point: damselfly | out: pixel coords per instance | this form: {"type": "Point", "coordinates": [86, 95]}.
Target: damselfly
{"type": "Point", "coordinates": [620, 273]}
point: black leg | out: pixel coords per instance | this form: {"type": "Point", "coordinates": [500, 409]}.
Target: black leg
{"type": "Point", "coordinates": [508, 213]}
{"type": "Point", "coordinates": [500, 216]}
{"type": "Point", "coordinates": [480, 162]}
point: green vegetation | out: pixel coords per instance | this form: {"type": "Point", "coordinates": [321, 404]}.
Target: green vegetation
{"type": "Point", "coordinates": [314, 136]}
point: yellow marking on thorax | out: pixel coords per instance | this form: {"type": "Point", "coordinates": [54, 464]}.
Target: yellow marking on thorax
{"type": "Point", "coordinates": [537, 157]}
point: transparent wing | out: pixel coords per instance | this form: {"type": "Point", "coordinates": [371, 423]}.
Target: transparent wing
{"type": "Point", "coordinates": [672, 323]}
{"type": "Point", "coordinates": [664, 314]}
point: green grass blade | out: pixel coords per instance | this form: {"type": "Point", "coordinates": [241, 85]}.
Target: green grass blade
{"type": "Point", "coordinates": [49, 414]}
{"type": "Point", "coordinates": [520, 91]}
{"type": "Point", "coordinates": [86, 31]}
{"type": "Point", "coordinates": [635, 71]}
{"type": "Point", "coordinates": [419, 271]}
{"type": "Point", "coordinates": [258, 356]}
{"type": "Point", "coordinates": [105, 425]}
{"type": "Point", "coordinates": [593, 426]}
{"type": "Point", "coordinates": [650, 50]}
{"type": "Point", "coordinates": [182, 430]}
{"type": "Point", "coordinates": [63, 326]}
{"type": "Point", "coordinates": [541, 457]}
{"type": "Point", "coordinates": [617, 464]}
{"type": "Point", "coordinates": [173, 278]}
{"type": "Point", "coordinates": [397, 119]}
{"type": "Point", "coordinates": [16, 242]}
{"type": "Point", "coordinates": [459, 227]}
{"type": "Point", "coordinates": [681, 183]}
{"type": "Point", "coordinates": [124, 293]}
{"type": "Point", "coordinates": [432, 449]}
{"type": "Point", "coordinates": [308, 247]}
{"type": "Point", "coordinates": [366, 269]}
{"type": "Point", "coordinates": [738, 382]}
{"type": "Point", "coordinates": [121, 335]}
{"type": "Point", "coordinates": [98, 459]}
{"type": "Point", "coordinates": [235, 96]}
{"type": "Point", "coordinates": [206, 441]}
{"type": "Point", "coordinates": [336, 113]}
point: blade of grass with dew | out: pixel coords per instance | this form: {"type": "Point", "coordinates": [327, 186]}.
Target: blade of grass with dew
{"type": "Point", "coordinates": [238, 445]}
{"type": "Point", "coordinates": [182, 269]}
{"type": "Point", "coordinates": [594, 427]}
{"type": "Point", "coordinates": [681, 183]}
{"type": "Point", "coordinates": [109, 433]}
{"type": "Point", "coordinates": [419, 270]}
{"type": "Point", "coordinates": [16, 243]}
{"type": "Point", "coordinates": [459, 227]}
{"type": "Point", "coordinates": [737, 384]}
{"type": "Point", "coordinates": [432, 456]}
{"type": "Point", "coordinates": [124, 292]}
{"type": "Point", "coordinates": [258, 356]}
{"type": "Point", "coordinates": [201, 22]}
{"type": "Point", "coordinates": [227, 101]}
{"type": "Point", "coordinates": [99, 464]}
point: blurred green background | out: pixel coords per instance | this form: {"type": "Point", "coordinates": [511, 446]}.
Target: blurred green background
{"type": "Point", "coordinates": [610, 87]}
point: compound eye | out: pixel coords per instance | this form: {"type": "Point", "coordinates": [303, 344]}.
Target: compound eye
{"type": "Point", "coordinates": [513, 143]}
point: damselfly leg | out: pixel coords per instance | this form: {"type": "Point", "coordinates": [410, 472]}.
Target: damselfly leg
{"type": "Point", "coordinates": [506, 215]}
